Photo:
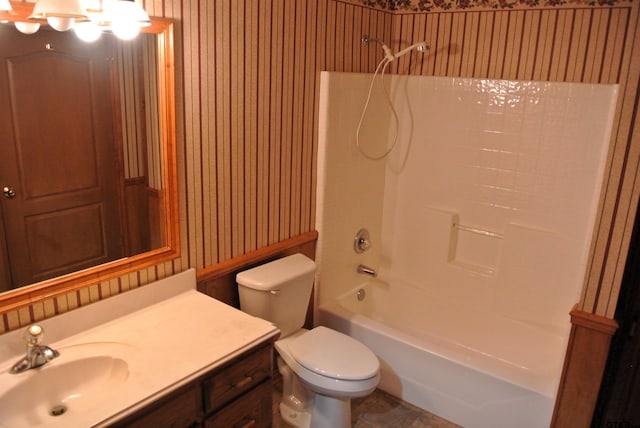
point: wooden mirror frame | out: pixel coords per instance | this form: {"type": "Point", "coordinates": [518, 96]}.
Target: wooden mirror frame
{"type": "Point", "coordinates": [169, 223]}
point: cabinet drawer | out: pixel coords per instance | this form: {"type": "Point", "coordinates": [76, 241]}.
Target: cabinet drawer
{"type": "Point", "coordinates": [176, 412]}
{"type": "Point", "coordinates": [237, 379]}
{"type": "Point", "coordinates": [253, 410]}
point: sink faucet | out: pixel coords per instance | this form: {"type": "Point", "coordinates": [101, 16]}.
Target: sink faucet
{"type": "Point", "coordinates": [367, 270]}
{"type": "Point", "coordinates": [37, 355]}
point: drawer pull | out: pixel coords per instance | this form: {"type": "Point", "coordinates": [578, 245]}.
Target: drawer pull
{"type": "Point", "coordinates": [248, 424]}
{"type": "Point", "coordinates": [244, 382]}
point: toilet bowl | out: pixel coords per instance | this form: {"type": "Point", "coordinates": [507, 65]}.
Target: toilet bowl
{"type": "Point", "coordinates": [333, 368]}
{"type": "Point", "coordinates": [321, 369]}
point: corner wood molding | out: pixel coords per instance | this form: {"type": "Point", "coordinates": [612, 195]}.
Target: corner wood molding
{"type": "Point", "coordinates": [593, 322]}
{"type": "Point", "coordinates": [583, 369]}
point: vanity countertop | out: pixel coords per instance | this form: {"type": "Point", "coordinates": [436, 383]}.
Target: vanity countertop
{"type": "Point", "coordinates": [167, 332]}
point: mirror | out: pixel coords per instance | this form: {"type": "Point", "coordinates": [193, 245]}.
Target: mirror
{"type": "Point", "coordinates": [147, 235]}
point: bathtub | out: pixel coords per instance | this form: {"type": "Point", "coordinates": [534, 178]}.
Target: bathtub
{"type": "Point", "coordinates": [477, 370]}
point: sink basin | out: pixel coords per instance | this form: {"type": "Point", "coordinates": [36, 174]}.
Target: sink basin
{"type": "Point", "coordinates": [73, 383]}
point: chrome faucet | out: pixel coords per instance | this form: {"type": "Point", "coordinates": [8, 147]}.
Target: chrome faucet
{"type": "Point", "coordinates": [366, 270]}
{"type": "Point", "coordinates": [37, 355]}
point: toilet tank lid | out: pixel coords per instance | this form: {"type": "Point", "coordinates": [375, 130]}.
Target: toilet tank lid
{"type": "Point", "coordinates": [271, 275]}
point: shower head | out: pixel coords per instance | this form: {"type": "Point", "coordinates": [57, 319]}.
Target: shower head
{"type": "Point", "coordinates": [420, 47]}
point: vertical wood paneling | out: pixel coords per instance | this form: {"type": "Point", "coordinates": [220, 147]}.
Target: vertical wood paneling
{"type": "Point", "coordinates": [264, 93]}
{"type": "Point", "coordinates": [576, 62]}
{"type": "Point", "coordinates": [251, 114]}
{"type": "Point", "coordinates": [545, 45]}
{"type": "Point", "coordinates": [526, 61]}
{"type": "Point", "coordinates": [470, 43]}
{"type": "Point", "coordinates": [272, 105]}
{"type": "Point", "coordinates": [561, 40]}
{"type": "Point", "coordinates": [457, 43]}
{"type": "Point", "coordinates": [208, 128]}
{"type": "Point", "coordinates": [222, 142]}
{"type": "Point", "coordinates": [237, 138]}
{"type": "Point", "coordinates": [513, 45]}
{"type": "Point", "coordinates": [309, 125]}
{"type": "Point", "coordinates": [576, 45]}
{"type": "Point", "coordinates": [192, 132]}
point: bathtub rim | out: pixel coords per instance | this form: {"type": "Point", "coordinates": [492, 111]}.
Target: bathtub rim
{"type": "Point", "coordinates": [528, 381]}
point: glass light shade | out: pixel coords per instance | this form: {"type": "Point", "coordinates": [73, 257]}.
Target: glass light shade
{"type": "Point", "coordinates": [5, 6]}
{"type": "Point", "coordinates": [131, 11]}
{"type": "Point", "coordinates": [87, 31]}
{"type": "Point", "coordinates": [27, 27]}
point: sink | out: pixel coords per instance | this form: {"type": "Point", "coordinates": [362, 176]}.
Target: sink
{"type": "Point", "coordinates": [74, 383]}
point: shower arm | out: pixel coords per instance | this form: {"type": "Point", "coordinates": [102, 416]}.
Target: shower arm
{"type": "Point", "coordinates": [387, 52]}
{"type": "Point", "coordinates": [389, 55]}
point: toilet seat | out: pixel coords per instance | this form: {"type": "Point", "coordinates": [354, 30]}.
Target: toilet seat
{"type": "Point", "coordinates": [334, 354]}
{"type": "Point", "coordinates": [318, 382]}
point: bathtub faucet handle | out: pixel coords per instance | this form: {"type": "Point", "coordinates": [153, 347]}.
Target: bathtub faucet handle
{"type": "Point", "coordinates": [366, 270]}
{"type": "Point", "coordinates": [362, 241]}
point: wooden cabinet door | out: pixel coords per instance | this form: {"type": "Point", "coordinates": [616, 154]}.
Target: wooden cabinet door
{"type": "Point", "coordinates": [58, 153]}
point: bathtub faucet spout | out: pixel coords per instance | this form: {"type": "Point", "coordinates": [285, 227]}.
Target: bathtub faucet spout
{"type": "Point", "coordinates": [367, 270]}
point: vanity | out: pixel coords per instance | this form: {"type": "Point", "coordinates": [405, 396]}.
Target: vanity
{"type": "Point", "coordinates": [160, 355]}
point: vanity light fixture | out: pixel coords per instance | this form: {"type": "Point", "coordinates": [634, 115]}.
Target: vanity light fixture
{"type": "Point", "coordinates": [88, 18]}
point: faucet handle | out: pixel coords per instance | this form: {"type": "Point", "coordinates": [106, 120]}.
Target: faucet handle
{"type": "Point", "coordinates": [33, 335]}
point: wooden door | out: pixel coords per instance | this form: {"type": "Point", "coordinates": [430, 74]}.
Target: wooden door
{"type": "Point", "coordinates": [58, 154]}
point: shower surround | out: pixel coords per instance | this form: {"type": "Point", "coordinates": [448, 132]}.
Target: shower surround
{"type": "Point", "coordinates": [485, 207]}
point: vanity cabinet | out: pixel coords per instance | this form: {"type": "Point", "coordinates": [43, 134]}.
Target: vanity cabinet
{"type": "Point", "coordinates": [236, 394]}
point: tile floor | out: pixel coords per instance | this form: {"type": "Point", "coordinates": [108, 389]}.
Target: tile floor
{"type": "Point", "coordinates": [378, 410]}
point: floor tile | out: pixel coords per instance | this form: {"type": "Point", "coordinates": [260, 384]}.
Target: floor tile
{"type": "Point", "coordinates": [378, 410]}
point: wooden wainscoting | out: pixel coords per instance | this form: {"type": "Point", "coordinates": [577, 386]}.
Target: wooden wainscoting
{"type": "Point", "coordinates": [219, 281]}
{"type": "Point", "coordinates": [584, 365]}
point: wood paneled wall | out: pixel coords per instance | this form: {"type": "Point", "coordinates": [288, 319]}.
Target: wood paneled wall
{"type": "Point", "coordinates": [247, 90]}
{"type": "Point", "coordinates": [567, 45]}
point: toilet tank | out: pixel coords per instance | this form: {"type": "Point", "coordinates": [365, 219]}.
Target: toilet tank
{"type": "Point", "coordinates": [278, 291]}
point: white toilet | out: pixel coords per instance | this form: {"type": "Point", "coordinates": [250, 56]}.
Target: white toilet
{"type": "Point", "coordinates": [321, 369]}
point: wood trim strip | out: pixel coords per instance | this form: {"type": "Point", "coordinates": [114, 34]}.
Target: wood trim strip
{"type": "Point", "coordinates": [228, 266]}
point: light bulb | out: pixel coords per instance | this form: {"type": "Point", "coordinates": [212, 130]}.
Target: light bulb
{"type": "Point", "coordinates": [124, 18]}
{"type": "Point", "coordinates": [60, 23]}
{"type": "Point", "coordinates": [27, 27]}
{"type": "Point", "coordinates": [125, 29]}
{"type": "Point", "coordinates": [87, 31]}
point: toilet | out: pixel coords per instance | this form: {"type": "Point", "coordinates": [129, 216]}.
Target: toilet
{"type": "Point", "coordinates": [322, 369]}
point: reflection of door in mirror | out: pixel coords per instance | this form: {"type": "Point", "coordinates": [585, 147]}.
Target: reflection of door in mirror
{"type": "Point", "coordinates": [60, 156]}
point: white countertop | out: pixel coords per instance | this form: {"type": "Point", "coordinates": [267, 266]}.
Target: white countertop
{"type": "Point", "coordinates": [167, 332]}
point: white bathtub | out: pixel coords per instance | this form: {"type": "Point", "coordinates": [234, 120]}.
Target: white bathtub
{"type": "Point", "coordinates": [477, 370]}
